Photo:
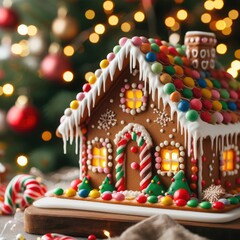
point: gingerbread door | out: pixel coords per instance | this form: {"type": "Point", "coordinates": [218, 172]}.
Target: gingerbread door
{"type": "Point", "coordinates": [134, 160]}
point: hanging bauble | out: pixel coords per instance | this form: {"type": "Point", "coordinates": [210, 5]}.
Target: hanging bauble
{"type": "Point", "coordinates": [22, 118]}
{"type": "Point", "coordinates": [54, 65]}
{"type": "Point", "coordinates": [37, 44]}
{"type": "Point", "coordinates": [3, 125]}
{"type": "Point", "coordinates": [9, 18]}
{"type": "Point", "coordinates": [65, 28]}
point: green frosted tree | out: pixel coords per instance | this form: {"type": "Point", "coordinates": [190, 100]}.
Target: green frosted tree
{"type": "Point", "coordinates": [107, 185]}
{"type": "Point", "coordinates": [178, 181]}
{"type": "Point", "coordinates": [155, 187]}
{"type": "Point", "coordinates": [85, 184]}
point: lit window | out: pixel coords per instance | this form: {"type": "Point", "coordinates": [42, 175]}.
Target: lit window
{"type": "Point", "coordinates": [99, 157]}
{"type": "Point", "coordinates": [228, 157]}
{"type": "Point", "coordinates": [134, 98]}
{"type": "Point", "coordinates": [170, 158]}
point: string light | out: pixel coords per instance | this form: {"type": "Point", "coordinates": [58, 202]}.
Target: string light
{"type": "Point", "coordinates": [113, 20]}
{"type": "Point", "coordinates": [221, 48]}
{"type": "Point", "coordinates": [22, 161]}
{"type": "Point", "coordinates": [32, 30]}
{"type": "Point", "coordinates": [235, 65]}
{"type": "Point", "coordinates": [8, 89]}
{"type": "Point", "coordinates": [108, 6]}
{"type": "Point", "coordinates": [139, 16]}
{"type": "Point", "coordinates": [227, 31]}
{"type": "Point", "coordinates": [206, 18]}
{"type": "Point", "coordinates": [46, 136]}
{"type": "Point", "coordinates": [68, 50]}
{"type": "Point", "coordinates": [94, 38]}
{"type": "Point", "coordinates": [209, 5]}
{"type": "Point", "coordinates": [233, 72]}
{"type": "Point", "coordinates": [1, 90]}
{"type": "Point", "coordinates": [218, 4]}
{"type": "Point", "coordinates": [99, 29]}
{"type": "Point", "coordinates": [22, 29]}
{"type": "Point", "coordinates": [90, 14]}
{"type": "Point", "coordinates": [170, 21]}
{"type": "Point", "coordinates": [126, 27]}
{"type": "Point", "coordinates": [176, 27]}
{"type": "Point", "coordinates": [182, 14]}
{"type": "Point", "coordinates": [237, 53]}
{"type": "Point", "coordinates": [68, 76]}
{"type": "Point", "coordinates": [233, 14]}
{"type": "Point", "coordinates": [174, 38]}
{"type": "Point", "coordinates": [220, 25]}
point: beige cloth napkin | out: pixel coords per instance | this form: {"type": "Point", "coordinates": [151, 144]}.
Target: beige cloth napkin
{"type": "Point", "coordinates": [159, 227]}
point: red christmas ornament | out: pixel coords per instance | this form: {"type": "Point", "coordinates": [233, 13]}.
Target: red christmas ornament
{"type": "Point", "coordinates": [22, 119]}
{"type": "Point", "coordinates": [9, 18]}
{"type": "Point", "coordinates": [53, 66]}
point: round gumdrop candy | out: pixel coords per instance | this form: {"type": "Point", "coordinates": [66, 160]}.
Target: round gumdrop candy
{"type": "Point", "coordinates": [145, 48]}
{"type": "Point", "coordinates": [187, 93]}
{"type": "Point", "coordinates": [155, 47]}
{"type": "Point", "coordinates": [151, 57]}
{"type": "Point", "coordinates": [70, 192]}
{"type": "Point", "coordinates": [206, 116]}
{"type": "Point", "coordinates": [216, 105]}
{"type": "Point", "coordinates": [104, 63]}
{"type": "Point", "coordinates": [188, 81]}
{"type": "Point", "coordinates": [166, 201]}
{"type": "Point", "coordinates": [192, 115]}
{"type": "Point", "coordinates": [118, 196]}
{"type": "Point", "coordinates": [175, 96]}
{"type": "Point", "coordinates": [122, 41]}
{"type": "Point", "coordinates": [137, 41]}
{"type": "Point", "coordinates": [178, 60]}
{"type": "Point", "coordinates": [152, 199]}
{"type": "Point", "coordinates": [181, 202]}
{"type": "Point", "coordinates": [157, 67]}
{"type": "Point", "coordinates": [86, 87]}
{"type": "Point", "coordinates": [107, 196]}
{"type": "Point", "coordinates": [207, 104]}
{"type": "Point", "coordinates": [178, 83]}
{"type": "Point", "coordinates": [169, 88]}
{"type": "Point", "coordinates": [141, 199]}
{"type": "Point", "coordinates": [218, 116]}
{"type": "Point", "coordinates": [91, 237]}
{"type": "Point", "coordinates": [226, 117]}
{"type": "Point", "coordinates": [116, 49]}
{"type": "Point", "coordinates": [165, 78]}
{"type": "Point", "coordinates": [232, 106]}
{"type": "Point", "coordinates": [170, 70]}
{"type": "Point", "coordinates": [202, 83]}
{"type": "Point", "coordinates": [74, 184]}
{"type": "Point", "coordinates": [205, 205]}
{"type": "Point", "coordinates": [196, 104]}
{"type": "Point", "coordinates": [83, 193]}
{"type": "Point", "coordinates": [181, 194]}
{"type": "Point", "coordinates": [183, 105]}
{"type": "Point", "coordinates": [218, 205]}
{"type": "Point", "coordinates": [94, 193]}
{"type": "Point", "coordinates": [197, 93]}
{"type": "Point", "coordinates": [192, 203]}
{"type": "Point", "coordinates": [58, 191]}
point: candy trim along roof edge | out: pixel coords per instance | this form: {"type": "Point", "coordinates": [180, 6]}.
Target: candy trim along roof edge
{"type": "Point", "coordinates": [196, 130]}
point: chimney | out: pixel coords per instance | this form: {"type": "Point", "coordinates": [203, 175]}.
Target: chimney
{"type": "Point", "coordinates": [200, 49]}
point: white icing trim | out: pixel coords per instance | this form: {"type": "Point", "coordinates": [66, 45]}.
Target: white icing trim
{"type": "Point", "coordinates": [200, 33]}
{"type": "Point", "coordinates": [196, 131]}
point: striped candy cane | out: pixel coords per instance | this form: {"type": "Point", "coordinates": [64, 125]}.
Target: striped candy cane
{"type": "Point", "coordinates": [56, 236]}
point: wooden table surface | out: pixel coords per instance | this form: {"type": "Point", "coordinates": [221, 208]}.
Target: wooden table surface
{"type": "Point", "coordinates": [81, 223]}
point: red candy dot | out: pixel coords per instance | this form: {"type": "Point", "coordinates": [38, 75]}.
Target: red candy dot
{"type": "Point", "coordinates": [181, 194]}
{"type": "Point", "coordinates": [178, 83]}
{"type": "Point", "coordinates": [217, 181]}
{"type": "Point", "coordinates": [197, 93]}
{"type": "Point", "coordinates": [86, 87]}
{"type": "Point", "coordinates": [226, 117]}
{"type": "Point", "coordinates": [203, 183]}
{"type": "Point", "coordinates": [194, 177]}
{"type": "Point", "coordinates": [207, 104]}
{"type": "Point", "coordinates": [238, 180]}
{"type": "Point", "coordinates": [172, 51]}
{"type": "Point", "coordinates": [181, 202]}
{"type": "Point", "coordinates": [134, 165]}
{"type": "Point", "coordinates": [228, 184]}
{"type": "Point", "coordinates": [74, 184]}
{"type": "Point", "coordinates": [196, 104]}
{"type": "Point", "coordinates": [206, 117]}
{"type": "Point", "coordinates": [218, 205]}
{"type": "Point", "coordinates": [134, 149]}
{"type": "Point", "coordinates": [163, 58]}
{"type": "Point", "coordinates": [141, 199]}
{"type": "Point", "coordinates": [158, 41]}
{"type": "Point", "coordinates": [106, 196]}
{"type": "Point", "coordinates": [91, 237]}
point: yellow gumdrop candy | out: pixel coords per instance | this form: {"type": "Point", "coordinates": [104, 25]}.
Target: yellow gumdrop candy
{"type": "Point", "coordinates": [94, 193]}
{"type": "Point", "coordinates": [104, 63]}
{"type": "Point", "coordinates": [217, 105]}
{"type": "Point", "coordinates": [74, 104]}
{"type": "Point", "coordinates": [166, 201]}
{"type": "Point", "coordinates": [92, 79]}
{"type": "Point", "coordinates": [70, 192]}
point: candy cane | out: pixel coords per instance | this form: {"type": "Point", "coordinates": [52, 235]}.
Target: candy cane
{"type": "Point", "coordinates": [145, 166]}
{"type": "Point", "coordinates": [145, 161]}
{"type": "Point", "coordinates": [21, 192]}
{"type": "Point", "coordinates": [56, 236]}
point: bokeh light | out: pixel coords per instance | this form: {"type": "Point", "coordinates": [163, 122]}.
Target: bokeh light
{"type": "Point", "coordinates": [206, 18]}
{"type": "Point", "coordinates": [8, 89]}
{"type": "Point", "coordinates": [94, 38]}
{"type": "Point", "coordinates": [139, 16]}
{"type": "Point", "coordinates": [68, 76]}
{"type": "Point", "coordinates": [182, 14]}
{"type": "Point", "coordinates": [22, 160]}
{"type": "Point", "coordinates": [90, 14]}
{"type": "Point", "coordinates": [221, 48]}
{"type": "Point", "coordinates": [68, 50]}
{"type": "Point", "coordinates": [126, 27]}
{"type": "Point", "coordinates": [46, 136]}
{"type": "Point", "coordinates": [113, 20]}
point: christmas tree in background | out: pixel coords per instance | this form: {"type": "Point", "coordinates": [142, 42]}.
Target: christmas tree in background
{"type": "Point", "coordinates": [49, 49]}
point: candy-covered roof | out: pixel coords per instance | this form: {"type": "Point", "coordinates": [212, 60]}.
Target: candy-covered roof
{"type": "Point", "coordinates": [207, 103]}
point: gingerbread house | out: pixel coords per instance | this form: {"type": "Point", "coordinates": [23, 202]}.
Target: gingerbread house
{"type": "Point", "coordinates": [154, 109]}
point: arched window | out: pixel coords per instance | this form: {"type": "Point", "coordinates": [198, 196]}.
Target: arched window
{"type": "Point", "coordinates": [170, 158]}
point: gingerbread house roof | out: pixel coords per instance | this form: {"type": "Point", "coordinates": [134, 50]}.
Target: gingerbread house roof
{"type": "Point", "coordinates": [207, 103]}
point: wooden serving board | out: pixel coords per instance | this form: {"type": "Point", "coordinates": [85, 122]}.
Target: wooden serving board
{"type": "Point", "coordinates": [83, 223]}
